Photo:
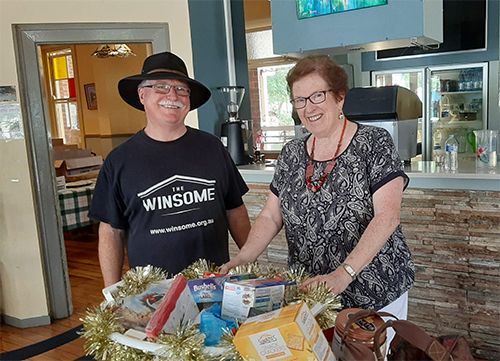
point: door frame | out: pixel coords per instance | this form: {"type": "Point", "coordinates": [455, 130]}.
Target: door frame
{"type": "Point", "coordinates": [36, 122]}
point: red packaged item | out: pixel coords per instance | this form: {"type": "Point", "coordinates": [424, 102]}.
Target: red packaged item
{"type": "Point", "coordinates": [211, 274]}
{"type": "Point", "coordinates": [176, 306]}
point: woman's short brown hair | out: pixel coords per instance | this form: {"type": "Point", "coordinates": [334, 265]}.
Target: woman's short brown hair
{"type": "Point", "coordinates": [334, 75]}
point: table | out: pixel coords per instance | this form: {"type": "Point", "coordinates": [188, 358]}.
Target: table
{"type": "Point", "coordinates": [75, 204]}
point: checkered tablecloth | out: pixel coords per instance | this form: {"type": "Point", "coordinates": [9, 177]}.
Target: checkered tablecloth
{"type": "Point", "coordinates": [75, 204]}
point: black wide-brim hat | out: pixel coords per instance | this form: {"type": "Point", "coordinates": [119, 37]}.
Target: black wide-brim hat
{"type": "Point", "coordinates": [162, 66]}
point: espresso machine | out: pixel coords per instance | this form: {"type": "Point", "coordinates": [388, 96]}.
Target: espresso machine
{"type": "Point", "coordinates": [236, 134]}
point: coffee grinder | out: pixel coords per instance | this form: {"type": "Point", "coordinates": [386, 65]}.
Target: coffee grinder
{"type": "Point", "coordinates": [235, 133]}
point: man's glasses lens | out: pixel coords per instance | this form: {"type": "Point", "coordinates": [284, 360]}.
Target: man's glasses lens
{"type": "Point", "coordinates": [165, 89]}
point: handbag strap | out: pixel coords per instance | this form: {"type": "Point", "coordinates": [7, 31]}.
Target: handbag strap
{"type": "Point", "coordinates": [414, 335]}
{"type": "Point", "coordinates": [358, 351]}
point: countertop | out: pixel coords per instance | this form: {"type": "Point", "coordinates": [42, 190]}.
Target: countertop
{"type": "Point", "coordinates": [423, 174]}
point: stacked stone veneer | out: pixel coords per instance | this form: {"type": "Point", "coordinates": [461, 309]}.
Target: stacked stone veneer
{"type": "Point", "coordinates": [455, 239]}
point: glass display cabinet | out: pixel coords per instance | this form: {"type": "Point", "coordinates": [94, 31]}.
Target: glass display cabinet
{"type": "Point", "coordinates": [454, 99]}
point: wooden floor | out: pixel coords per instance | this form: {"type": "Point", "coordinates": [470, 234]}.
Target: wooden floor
{"type": "Point", "coordinates": [86, 285]}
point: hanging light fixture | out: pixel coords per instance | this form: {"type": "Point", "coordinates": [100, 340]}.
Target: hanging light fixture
{"type": "Point", "coordinates": [113, 50]}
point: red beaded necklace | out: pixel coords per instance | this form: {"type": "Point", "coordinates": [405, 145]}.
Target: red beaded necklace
{"type": "Point", "coordinates": [329, 167]}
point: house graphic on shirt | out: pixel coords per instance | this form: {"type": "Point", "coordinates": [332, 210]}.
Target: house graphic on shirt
{"type": "Point", "coordinates": [178, 194]}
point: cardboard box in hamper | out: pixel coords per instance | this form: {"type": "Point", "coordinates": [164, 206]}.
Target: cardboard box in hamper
{"type": "Point", "coordinates": [287, 334]}
{"type": "Point", "coordinates": [260, 294]}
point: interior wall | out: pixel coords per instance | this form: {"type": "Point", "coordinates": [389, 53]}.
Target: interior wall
{"type": "Point", "coordinates": [23, 293]}
{"type": "Point", "coordinates": [210, 57]}
{"type": "Point", "coordinates": [113, 118]}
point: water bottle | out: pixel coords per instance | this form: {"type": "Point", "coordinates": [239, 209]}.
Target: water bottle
{"type": "Point", "coordinates": [461, 81]}
{"type": "Point", "coordinates": [479, 79]}
{"type": "Point", "coordinates": [438, 148]}
{"type": "Point", "coordinates": [477, 75]}
{"type": "Point", "coordinates": [451, 156]}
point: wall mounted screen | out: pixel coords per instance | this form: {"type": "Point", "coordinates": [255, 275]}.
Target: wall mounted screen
{"type": "Point", "coordinates": [311, 8]}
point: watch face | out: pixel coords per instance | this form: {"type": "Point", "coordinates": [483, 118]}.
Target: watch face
{"type": "Point", "coordinates": [349, 270]}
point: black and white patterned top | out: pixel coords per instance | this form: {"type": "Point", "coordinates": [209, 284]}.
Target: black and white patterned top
{"type": "Point", "coordinates": [323, 228]}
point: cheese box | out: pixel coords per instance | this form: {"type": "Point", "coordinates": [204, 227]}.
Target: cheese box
{"type": "Point", "coordinates": [210, 290]}
{"type": "Point", "coordinates": [261, 294]}
{"type": "Point", "coordinates": [287, 334]}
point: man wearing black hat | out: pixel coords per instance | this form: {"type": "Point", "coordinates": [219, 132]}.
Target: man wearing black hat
{"type": "Point", "coordinates": [171, 191]}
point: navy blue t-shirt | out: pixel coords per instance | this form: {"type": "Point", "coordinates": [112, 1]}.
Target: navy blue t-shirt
{"type": "Point", "coordinates": [170, 198]}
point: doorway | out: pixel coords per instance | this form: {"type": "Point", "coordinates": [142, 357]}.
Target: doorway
{"type": "Point", "coordinates": [27, 41]}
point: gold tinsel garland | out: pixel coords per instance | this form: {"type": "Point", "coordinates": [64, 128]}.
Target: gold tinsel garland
{"type": "Point", "coordinates": [297, 274]}
{"type": "Point", "coordinates": [187, 343]}
{"type": "Point", "coordinates": [101, 322]}
{"type": "Point", "coordinates": [138, 279]}
{"type": "Point", "coordinates": [230, 352]}
{"type": "Point", "coordinates": [260, 271]}
{"type": "Point", "coordinates": [321, 293]}
{"type": "Point", "coordinates": [195, 270]}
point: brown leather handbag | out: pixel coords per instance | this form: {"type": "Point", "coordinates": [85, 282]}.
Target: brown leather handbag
{"type": "Point", "coordinates": [411, 343]}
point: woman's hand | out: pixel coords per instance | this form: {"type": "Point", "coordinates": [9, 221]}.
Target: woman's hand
{"type": "Point", "coordinates": [226, 267]}
{"type": "Point", "coordinates": [337, 280]}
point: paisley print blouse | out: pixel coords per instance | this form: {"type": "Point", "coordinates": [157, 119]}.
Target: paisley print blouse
{"type": "Point", "coordinates": [323, 228]}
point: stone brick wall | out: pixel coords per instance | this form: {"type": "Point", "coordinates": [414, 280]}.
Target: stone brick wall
{"type": "Point", "coordinates": [455, 239]}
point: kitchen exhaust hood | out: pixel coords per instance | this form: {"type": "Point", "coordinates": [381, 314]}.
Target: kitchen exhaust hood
{"type": "Point", "coordinates": [397, 24]}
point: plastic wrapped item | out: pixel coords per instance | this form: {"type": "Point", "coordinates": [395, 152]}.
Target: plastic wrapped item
{"type": "Point", "coordinates": [212, 325]}
{"type": "Point", "coordinates": [138, 310]}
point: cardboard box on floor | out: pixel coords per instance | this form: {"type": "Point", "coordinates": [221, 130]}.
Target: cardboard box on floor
{"type": "Point", "coordinates": [76, 166]}
{"type": "Point", "coordinates": [64, 147]}
{"type": "Point", "coordinates": [62, 154]}
{"type": "Point", "coordinates": [57, 141]}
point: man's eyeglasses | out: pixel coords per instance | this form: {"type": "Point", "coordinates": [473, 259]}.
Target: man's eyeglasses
{"type": "Point", "coordinates": [316, 98]}
{"type": "Point", "coordinates": [181, 91]}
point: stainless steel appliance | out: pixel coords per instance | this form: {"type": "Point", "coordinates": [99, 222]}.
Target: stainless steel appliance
{"type": "Point", "coordinates": [393, 108]}
{"type": "Point", "coordinates": [236, 134]}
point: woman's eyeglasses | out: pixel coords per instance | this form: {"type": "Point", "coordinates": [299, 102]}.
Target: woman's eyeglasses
{"type": "Point", "coordinates": [316, 98]}
{"type": "Point", "coordinates": [165, 89]}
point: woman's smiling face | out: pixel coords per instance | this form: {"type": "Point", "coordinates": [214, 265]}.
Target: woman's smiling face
{"type": "Point", "coordinates": [320, 119]}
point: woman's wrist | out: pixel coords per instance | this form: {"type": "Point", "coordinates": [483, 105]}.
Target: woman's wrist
{"type": "Point", "coordinates": [349, 270]}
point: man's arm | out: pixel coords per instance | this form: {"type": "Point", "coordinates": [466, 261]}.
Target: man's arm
{"type": "Point", "coordinates": [239, 224]}
{"type": "Point", "coordinates": [111, 253]}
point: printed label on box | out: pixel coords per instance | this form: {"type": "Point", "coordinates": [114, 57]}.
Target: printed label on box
{"type": "Point", "coordinates": [321, 348]}
{"type": "Point", "coordinates": [280, 337]}
{"type": "Point", "coordinates": [270, 345]}
{"type": "Point", "coordinates": [207, 290]}
{"type": "Point", "coordinates": [263, 295]}
{"type": "Point", "coordinates": [306, 322]}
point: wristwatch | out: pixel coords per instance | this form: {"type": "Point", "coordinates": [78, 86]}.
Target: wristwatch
{"type": "Point", "coordinates": [349, 270]}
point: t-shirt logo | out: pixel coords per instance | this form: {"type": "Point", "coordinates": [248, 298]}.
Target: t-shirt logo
{"type": "Point", "coordinates": [178, 194]}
